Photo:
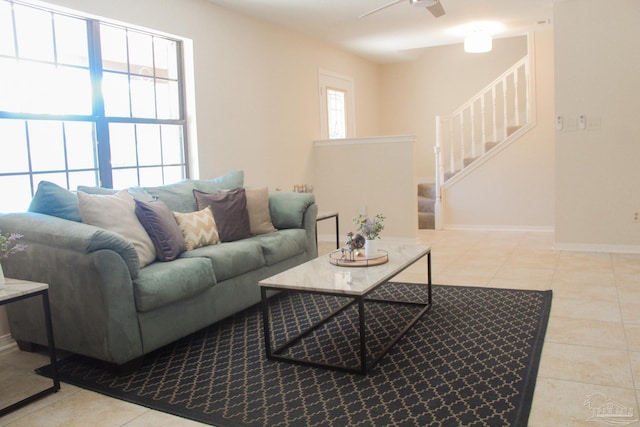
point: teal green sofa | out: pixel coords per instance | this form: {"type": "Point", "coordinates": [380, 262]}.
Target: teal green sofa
{"type": "Point", "coordinates": [106, 307]}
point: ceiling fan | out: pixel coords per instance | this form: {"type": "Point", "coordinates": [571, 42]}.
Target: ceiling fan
{"type": "Point", "coordinates": [433, 6]}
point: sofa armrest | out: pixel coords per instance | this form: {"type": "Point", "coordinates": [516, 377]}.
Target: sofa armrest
{"type": "Point", "coordinates": [295, 210]}
{"type": "Point", "coordinates": [288, 208]}
{"type": "Point", "coordinates": [58, 233]}
{"type": "Point", "coordinates": [90, 286]}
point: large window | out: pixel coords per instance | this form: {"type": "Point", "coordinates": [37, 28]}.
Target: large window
{"type": "Point", "coordinates": [86, 102]}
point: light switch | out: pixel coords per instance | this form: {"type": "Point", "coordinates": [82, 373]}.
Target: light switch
{"type": "Point", "coordinates": [559, 122]}
{"type": "Point", "coordinates": [582, 121]}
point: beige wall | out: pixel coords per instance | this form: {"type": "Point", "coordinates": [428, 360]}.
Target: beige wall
{"type": "Point", "coordinates": [256, 86]}
{"type": "Point", "coordinates": [516, 188]}
{"type": "Point", "coordinates": [597, 170]}
{"type": "Point", "coordinates": [438, 82]}
{"type": "Point", "coordinates": [368, 176]}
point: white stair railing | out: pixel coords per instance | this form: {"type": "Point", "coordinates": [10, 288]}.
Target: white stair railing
{"type": "Point", "coordinates": [502, 106]}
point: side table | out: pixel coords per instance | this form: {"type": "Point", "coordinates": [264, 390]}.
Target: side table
{"type": "Point", "coordinates": [16, 290]}
{"type": "Point", "coordinates": [326, 215]}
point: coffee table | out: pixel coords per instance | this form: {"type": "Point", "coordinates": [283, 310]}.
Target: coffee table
{"type": "Point", "coordinates": [319, 276]}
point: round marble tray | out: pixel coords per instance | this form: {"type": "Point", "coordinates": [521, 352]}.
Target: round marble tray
{"type": "Point", "coordinates": [342, 258]}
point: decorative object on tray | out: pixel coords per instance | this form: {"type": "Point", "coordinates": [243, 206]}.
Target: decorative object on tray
{"type": "Point", "coordinates": [370, 228]}
{"type": "Point", "coordinates": [352, 246]}
{"type": "Point", "coordinates": [345, 257]}
{"type": "Point", "coordinates": [303, 188]}
{"type": "Point", "coordinates": [8, 246]}
{"type": "Point", "coordinates": [355, 241]}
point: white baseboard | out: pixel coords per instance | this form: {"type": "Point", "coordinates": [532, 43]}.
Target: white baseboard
{"type": "Point", "coordinates": [459, 227]}
{"type": "Point", "coordinates": [326, 238]}
{"type": "Point", "coordinates": [590, 247]}
{"type": "Point", "coordinates": [7, 343]}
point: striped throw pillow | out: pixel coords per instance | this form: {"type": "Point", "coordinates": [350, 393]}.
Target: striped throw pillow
{"type": "Point", "coordinates": [198, 228]}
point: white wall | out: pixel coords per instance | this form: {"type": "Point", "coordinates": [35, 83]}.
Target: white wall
{"type": "Point", "coordinates": [516, 188]}
{"type": "Point", "coordinates": [438, 82]}
{"type": "Point", "coordinates": [597, 172]}
{"type": "Point", "coordinates": [368, 176]}
{"type": "Point", "coordinates": [256, 86]}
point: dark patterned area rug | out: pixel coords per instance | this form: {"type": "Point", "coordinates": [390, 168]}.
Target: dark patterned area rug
{"type": "Point", "coordinates": [471, 360]}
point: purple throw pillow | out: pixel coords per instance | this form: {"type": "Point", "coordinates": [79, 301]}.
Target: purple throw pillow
{"type": "Point", "coordinates": [161, 226]}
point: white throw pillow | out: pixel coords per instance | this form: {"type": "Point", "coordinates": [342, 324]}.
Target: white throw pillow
{"type": "Point", "coordinates": [117, 213]}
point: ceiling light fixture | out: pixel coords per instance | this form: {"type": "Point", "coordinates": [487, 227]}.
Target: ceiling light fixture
{"type": "Point", "coordinates": [478, 43]}
{"type": "Point", "coordinates": [423, 3]}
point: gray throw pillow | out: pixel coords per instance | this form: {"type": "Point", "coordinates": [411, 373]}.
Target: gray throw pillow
{"type": "Point", "coordinates": [161, 226]}
{"type": "Point", "coordinates": [229, 211]}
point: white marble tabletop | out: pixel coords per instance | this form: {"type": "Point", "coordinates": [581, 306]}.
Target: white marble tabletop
{"type": "Point", "coordinates": [15, 287]}
{"type": "Point", "coordinates": [319, 275]}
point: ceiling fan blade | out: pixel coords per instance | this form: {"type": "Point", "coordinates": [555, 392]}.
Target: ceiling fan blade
{"type": "Point", "coordinates": [436, 10]}
{"type": "Point", "coordinates": [380, 8]}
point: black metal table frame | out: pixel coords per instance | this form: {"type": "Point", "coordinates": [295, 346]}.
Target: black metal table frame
{"type": "Point", "coordinates": [52, 352]}
{"type": "Point", "coordinates": [365, 366]}
{"type": "Point", "coordinates": [330, 215]}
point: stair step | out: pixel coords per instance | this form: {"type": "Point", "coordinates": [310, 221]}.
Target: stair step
{"type": "Point", "coordinates": [489, 145]}
{"type": "Point", "coordinates": [426, 204]}
{"type": "Point", "coordinates": [426, 221]}
{"type": "Point", "coordinates": [512, 129]}
{"type": "Point", "coordinates": [448, 175]}
{"type": "Point", "coordinates": [467, 161]}
{"type": "Point", "coordinates": [427, 190]}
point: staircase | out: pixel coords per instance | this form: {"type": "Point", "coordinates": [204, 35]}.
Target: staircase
{"type": "Point", "coordinates": [492, 119]}
{"type": "Point", "coordinates": [426, 206]}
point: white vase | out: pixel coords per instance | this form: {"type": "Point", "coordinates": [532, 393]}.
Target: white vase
{"type": "Point", "coordinates": [370, 247]}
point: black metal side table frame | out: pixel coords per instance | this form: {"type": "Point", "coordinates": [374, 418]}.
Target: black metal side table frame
{"type": "Point", "coordinates": [365, 365]}
{"type": "Point", "coordinates": [52, 351]}
{"type": "Point", "coordinates": [327, 215]}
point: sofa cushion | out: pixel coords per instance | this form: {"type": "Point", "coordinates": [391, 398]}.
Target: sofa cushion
{"type": "Point", "coordinates": [230, 212]}
{"type": "Point", "coordinates": [178, 197]}
{"type": "Point", "coordinates": [163, 283]}
{"type": "Point", "coordinates": [117, 213]}
{"type": "Point", "coordinates": [198, 228]}
{"type": "Point", "coordinates": [284, 244]}
{"type": "Point", "coordinates": [231, 259]}
{"type": "Point", "coordinates": [162, 228]}
{"type": "Point", "coordinates": [51, 199]}
{"type": "Point", "coordinates": [258, 208]}
{"type": "Point", "coordinates": [228, 181]}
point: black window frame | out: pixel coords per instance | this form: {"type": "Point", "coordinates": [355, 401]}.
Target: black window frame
{"type": "Point", "coordinates": [100, 120]}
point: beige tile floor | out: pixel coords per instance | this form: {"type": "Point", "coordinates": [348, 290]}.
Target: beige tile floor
{"type": "Point", "coordinates": [592, 345]}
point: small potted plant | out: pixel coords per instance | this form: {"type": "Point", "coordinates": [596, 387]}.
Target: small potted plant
{"type": "Point", "coordinates": [9, 245]}
{"type": "Point", "coordinates": [370, 228]}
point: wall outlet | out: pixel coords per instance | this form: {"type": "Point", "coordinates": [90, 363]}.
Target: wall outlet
{"type": "Point", "coordinates": [635, 217]}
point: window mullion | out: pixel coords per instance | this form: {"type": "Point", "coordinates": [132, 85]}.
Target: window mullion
{"type": "Point", "coordinates": [101, 123]}
{"type": "Point", "coordinates": [16, 50]}
{"type": "Point", "coordinates": [182, 107]}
